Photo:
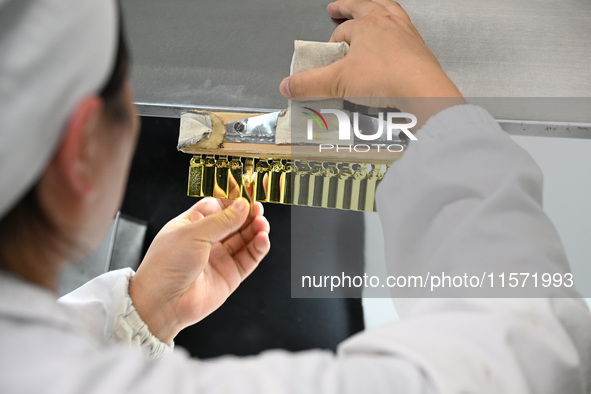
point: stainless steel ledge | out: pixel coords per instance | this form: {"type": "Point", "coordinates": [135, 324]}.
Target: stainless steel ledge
{"type": "Point", "coordinates": [513, 127]}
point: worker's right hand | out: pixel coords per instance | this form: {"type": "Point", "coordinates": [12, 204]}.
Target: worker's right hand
{"type": "Point", "coordinates": [387, 59]}
{"type": "Point", "coordinates": [196, 261]}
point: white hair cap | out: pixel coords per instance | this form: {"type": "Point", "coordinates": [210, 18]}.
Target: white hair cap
{"type": "Point", "coordinates": [53, 53]}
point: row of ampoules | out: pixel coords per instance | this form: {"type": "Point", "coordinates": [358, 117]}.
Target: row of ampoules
{"type": "Point", "coordinates": [349, 186]}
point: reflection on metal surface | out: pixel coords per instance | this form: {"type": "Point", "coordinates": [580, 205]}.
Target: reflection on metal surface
{"type": "Point", "coordinates": [546, 129]}
{"type": "Point", "coordinates": [276, 181]}
{"type": "Point", "coordinates": [258, 129]}
{"type": "Point", "coordinates": [221, 177]}
{"type": "Point", "coordinates": [373, 179]}
{"type": "Point", "coordinates": [208, 182]}
{"type": "Point", "coordinates": [261, 180]}
{"type": "Point", "coordinates": [346, 186]}
{"type": "Point", "coordinates": [235, 186]}
{"type": "Point", "coordinates": [513, 127]}
{"type": "Point", "coordinates": [174, 111]}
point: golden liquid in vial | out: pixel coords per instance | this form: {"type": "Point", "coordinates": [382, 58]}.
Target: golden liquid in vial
{"type": "Point", "coordinates": [289, 173]}
{"type": "Point", "coordinates": [359, 187]}
{"type": "Point", "coordinates": [235, 187]}
{"type": "Point", "coordinates": [344, 187]}
{"type": "Point", "coordinates": [301, 184]}
{"type": "Point", "coordinates": [195, 177]}
{"type": "Point", "coordinates": [350, 187]}
{"type": "Point", "coordinates": [222, 171]}
{"type": "Point", "coordinates": [329, 195]}
{"type": "Point", "coordinates": [372, 182]}
{"type": "Point", "coordinates": [208, 184]}
{"type": "Point", "coordinates": [275, 181]}
{"type": "Point", "coordinates": [248, 179]}
{"type": "Point", "coordinates": [316, 185]}
{"type": "Point", "coordinates": [261, 182]}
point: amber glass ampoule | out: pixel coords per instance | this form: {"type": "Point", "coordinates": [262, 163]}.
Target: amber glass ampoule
{"type": "Point", "coordinates": [373, 178]}
{"type": "Point", "coordinates": [359, 187]}
{"type": "Point", "coordinates": [287, 188]}
{"type": "Point", "coordinates": [344, 187]}
{"type": "Point", "coordinates": [275, 181]}
{"type": "Point", "coordinates": [316, 184]}
{"type": "Point", "coordinates": [261, 181]}
{"type": "Point", "coordinates": [329, 192]}
{"type": "Point", "coordinates": [195, 176]}
{"type": "Point", "coordinates": [208, 183]}
{"type": "Point", "coordinates": [301, 185]}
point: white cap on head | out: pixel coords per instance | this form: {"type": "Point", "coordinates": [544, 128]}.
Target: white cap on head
{"type": "Point", "coordinates": [53, 53]}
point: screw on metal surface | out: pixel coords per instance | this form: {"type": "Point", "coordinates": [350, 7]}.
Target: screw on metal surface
{"type": "Point", "coordinates": [239, 127]}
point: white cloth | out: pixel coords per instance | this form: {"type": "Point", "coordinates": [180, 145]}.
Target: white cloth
{"type": "Point", "coordinates": [52, 54]}
{"type": "Point", "coordinates": [440, 345]}
{"type": "Point", "coordinates": [113, 319]}
{"type": "Point", "coordinates": [308, 55]}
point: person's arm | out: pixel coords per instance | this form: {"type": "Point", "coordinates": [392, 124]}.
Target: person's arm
{"type": "Point", "coordinates": [388, 63]}
{"type": "Point", "coordinates": [195, 262]}
{"type": "Point", "coordinates": [466, 198]}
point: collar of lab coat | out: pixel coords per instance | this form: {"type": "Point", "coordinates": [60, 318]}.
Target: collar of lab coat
{"type": "Point", "coordinates": [28, 303]}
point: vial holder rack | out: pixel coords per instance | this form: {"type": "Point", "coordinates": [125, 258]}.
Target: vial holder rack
{"type": "Point", "coordinates": [249, 163]}
{"type": "Point", "coordinates": [327, 184]}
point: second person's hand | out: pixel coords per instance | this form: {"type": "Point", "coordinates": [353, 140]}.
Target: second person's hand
{"type": "Point", "coordinates": [387, 60]}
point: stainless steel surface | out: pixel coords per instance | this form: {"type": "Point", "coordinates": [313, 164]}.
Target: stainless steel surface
{"type": "Point", "coordinates": [261, 129]}
{"type": "Point", "coordinates": [218, 53]}
{"type": "Point", "coordinates": [174, 111]}
{"type": "Point", "coordinates": [504, 48]}
{"type": "Point", "coordinates": [187, 54]}
{"type": "Point", "coordinates": [546, 129]}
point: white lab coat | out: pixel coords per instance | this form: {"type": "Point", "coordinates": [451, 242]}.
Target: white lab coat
{"type": "Point", "coordinates": [88, 343]}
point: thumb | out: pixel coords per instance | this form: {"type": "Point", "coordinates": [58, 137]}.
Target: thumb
{"type": "Point", "coordinates": [315, 83]}
{"type": "Point", "coordinates": [218, 226]}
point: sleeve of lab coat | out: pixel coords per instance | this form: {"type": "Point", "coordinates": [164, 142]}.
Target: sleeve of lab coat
{"type": "Point", "coordinates": [105, 310]}
{"type": "Point", "coordinates": [441, 206]}
{"type": "Point", "coordinates": [466, 197]}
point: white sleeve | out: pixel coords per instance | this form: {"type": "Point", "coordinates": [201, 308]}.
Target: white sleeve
{"type": "Point", "coordinates": [466, 197]}
{"type": "Point", "coordinates": [434, 212]}
{"type": "Point", "coordinates": [105, 310]}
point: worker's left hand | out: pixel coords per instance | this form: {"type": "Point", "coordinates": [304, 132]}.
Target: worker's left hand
{"type": "Point", "coordinates": [196, 261]}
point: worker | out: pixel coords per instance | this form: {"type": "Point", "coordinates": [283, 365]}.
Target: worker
{"type": "Point", "coordinates": [470, 195]}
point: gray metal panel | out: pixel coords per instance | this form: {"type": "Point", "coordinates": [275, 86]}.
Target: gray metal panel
{"type": "Point", "coordinates": [218, 52]}
{"type": "Point", "coordinates": [504, 48]}
{"type": "Point", "coordinates": [232, 53]}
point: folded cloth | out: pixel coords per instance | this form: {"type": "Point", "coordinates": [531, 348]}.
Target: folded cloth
{"type": "Point", "coordinates": [308, 55]}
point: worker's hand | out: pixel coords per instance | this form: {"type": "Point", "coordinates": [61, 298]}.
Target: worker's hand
{"type": "Point", "coordinates": [196, 261]}
{"type": "Point", "coordinates": [387, 59]}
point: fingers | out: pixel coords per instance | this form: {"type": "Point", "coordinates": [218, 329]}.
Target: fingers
{"type": "Point", "coordinates": [251, 255]}
{"type": "Point", "coordinates": [354, 9]}
{"type": "Point", "coordinates": [343, 32]}
{"type": "Point", "coordinates": [315, 83]}
{"type": "Point", "coordinates": [206, 207]}
{"type": "Point", "coordinates": [218, 226]}
{"type": "Point", "coordinates": [236, 241]}
{"type": "Point", "coordinates": [390, 12]}
{"type": "Point", "coordinates": [393, 8]}
{"type": "Point", "coordinates": [257, 211]}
